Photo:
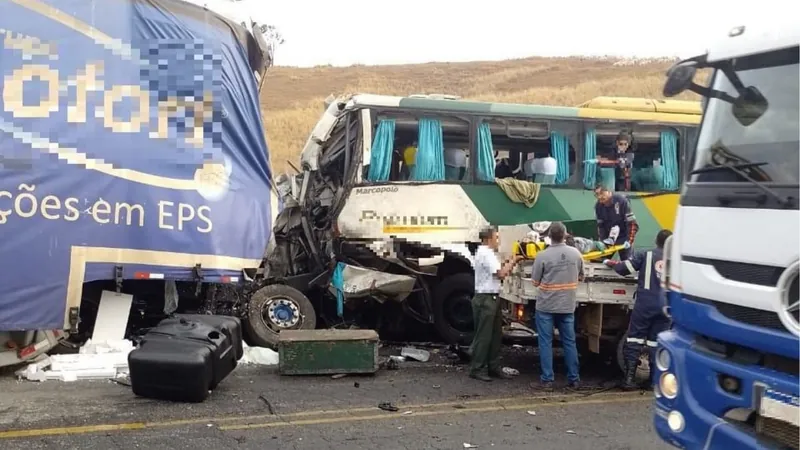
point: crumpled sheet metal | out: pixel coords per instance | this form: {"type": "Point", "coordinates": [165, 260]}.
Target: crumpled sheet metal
{"type": "Point", "coordinates": [362, 282]}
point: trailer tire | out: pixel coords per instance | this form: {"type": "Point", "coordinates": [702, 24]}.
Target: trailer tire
{"type": "Point", "coordinates": [643, 371]}
{"type": "Point", "coordinates": [452, 308]}
{"type": "Point", "coordinates": [274, 308]}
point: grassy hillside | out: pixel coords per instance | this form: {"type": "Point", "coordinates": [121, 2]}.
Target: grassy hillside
{"type": "Point", "coordinates": [292, 98]}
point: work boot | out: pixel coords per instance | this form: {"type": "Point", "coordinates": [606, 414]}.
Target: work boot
{"type": "Point", "coordinates": [480, 376]}
{"type": "Point", "coordinates": [544, 386]}
{"type": "Point", "coordinates": [629, 382]}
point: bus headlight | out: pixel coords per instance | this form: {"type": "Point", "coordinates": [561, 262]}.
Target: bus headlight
{"type": "Point", "coordinates": [668, 385]}
{"type": "Point", "coordinates": [663, 359]}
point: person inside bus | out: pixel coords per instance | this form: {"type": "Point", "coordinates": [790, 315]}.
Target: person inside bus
{"type": "Point", "coordinates": [620, 158]}
{"type": "Point", "coordinates": [455, 163]}
{"type": "Point", "coordinates": [408, 155]}
{"type": "Point", "coordinates": [616, 222]}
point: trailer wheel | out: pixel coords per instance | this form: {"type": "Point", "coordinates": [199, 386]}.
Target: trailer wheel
{"type": "Point", "coordinates": [452, 308]}
{"type": "Point", "coordinates": [643, 371]}
{"type": "Point", "coordinates": [276, 308]}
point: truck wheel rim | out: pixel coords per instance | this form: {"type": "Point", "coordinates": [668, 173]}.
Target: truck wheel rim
{"type": "Point", "coordinates": [281, 313]}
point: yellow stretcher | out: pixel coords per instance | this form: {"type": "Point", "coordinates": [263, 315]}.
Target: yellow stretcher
{"type": "Point", "coordinates": [532, 248]}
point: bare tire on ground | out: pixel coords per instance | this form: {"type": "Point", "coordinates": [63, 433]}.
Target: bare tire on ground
{"type": "Point", "coordinates": [276, 308]}
{"type": "Point", "coordinates": [643, 371]}
{"type": "Point", "coordinates": [452, 308]}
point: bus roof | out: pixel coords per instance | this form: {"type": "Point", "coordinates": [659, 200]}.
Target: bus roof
{"type": "Point", "coordinates": [601, 108]}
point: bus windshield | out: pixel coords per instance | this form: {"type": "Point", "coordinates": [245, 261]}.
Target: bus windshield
{"type": "Point", "coordinates": [767, 149]}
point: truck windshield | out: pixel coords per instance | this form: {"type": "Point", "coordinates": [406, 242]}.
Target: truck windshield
{"type": "Point", "coordinates": [766, 150]}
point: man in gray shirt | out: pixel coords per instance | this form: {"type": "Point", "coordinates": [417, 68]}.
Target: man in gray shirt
{"type": "Point", "coordinates": [556, 273]}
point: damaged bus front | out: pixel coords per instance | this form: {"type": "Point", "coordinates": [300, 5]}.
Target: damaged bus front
{"type": "Point", "coordinates": [381, 224]}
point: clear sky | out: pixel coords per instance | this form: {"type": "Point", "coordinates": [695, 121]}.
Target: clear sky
{"type": "Point", "coordinates": [345, 32]}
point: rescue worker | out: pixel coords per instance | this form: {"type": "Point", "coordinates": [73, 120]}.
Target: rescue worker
{"type": "Point", "coordinates": [616, 223]}
{"type": "Point", "coordinates": [647, 319]}
{"type": "Point", "coordinates": [556, 273]}
{"type": "Point", "coordinates": [621, 159]}
{"type": "Point", "coordinates": [486, 308]}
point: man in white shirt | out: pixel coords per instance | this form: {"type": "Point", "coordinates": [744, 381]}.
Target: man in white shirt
{"type": "Point", "coordinates": [485, 348]}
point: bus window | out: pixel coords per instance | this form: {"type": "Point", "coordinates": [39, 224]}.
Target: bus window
{"type": "Point", "coordinates": [425, 148]}
{"type": "Point", "coordinates": [529, 150]}
{"type": "Point", "coordinates": [652, 154]}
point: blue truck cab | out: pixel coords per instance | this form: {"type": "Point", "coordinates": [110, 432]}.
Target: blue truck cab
{"type": "Point", "coordinates": [727, 370]}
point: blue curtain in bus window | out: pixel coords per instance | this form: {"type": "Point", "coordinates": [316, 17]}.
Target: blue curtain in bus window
{"type": "Point", "coordinates": [380, 158]}
{"type": "Point", "coordinates": [429, 165]}
{"type": "Point", "coordinates": [559, 148]}
{"type": "Point", "coordinates": [485, 153]}
{"type": "Point", "coordinates": [590, 160]}
{"type": "Point", "coordinates": [669, 160]}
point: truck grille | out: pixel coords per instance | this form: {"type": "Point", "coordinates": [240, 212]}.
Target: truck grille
{"type": "Point", "coordinates": [742, 272]}
{"type": "Point", "coordinates": [751, 316]}
{"type": "Point", "coordinates": [782, 432]}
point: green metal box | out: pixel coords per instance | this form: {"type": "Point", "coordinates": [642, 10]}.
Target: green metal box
{"type": "Point", "coordinates": [321, 352]}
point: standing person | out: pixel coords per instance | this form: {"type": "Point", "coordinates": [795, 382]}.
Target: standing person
{"type": "Point", "coordinates": [647, 319]}
{"type": "Point", "coordinates": [621, 159]}
{"type": "Point", "coordinates": [616, 223]}
{"type": "Point", "coordinates": [556, 272]}
{"type": "Point", "coordinates": [485, 348]}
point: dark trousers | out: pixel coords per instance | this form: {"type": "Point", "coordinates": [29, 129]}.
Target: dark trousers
{"type": "Point", "coordinates": [485, 348]}
{"type": "Point", "coordinates": [625, 253]}
{"type": "Point", "coordinates": [647, 320]}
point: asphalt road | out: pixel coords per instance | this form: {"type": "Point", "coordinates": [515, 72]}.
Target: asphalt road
{"type": "Point", "coordinates": [255, 408]}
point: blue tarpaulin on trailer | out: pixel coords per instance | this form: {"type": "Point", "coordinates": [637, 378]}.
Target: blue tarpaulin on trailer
{"type": "Point", "coordinates": [130, 135]}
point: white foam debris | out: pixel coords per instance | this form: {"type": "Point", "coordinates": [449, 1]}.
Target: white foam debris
{"type": "Point", "coordinates": [261, 356]}
{"type": "Point", "coordinates": [96, 360]}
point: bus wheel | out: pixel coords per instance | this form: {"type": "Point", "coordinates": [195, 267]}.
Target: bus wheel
{"type": "Point", "coordinates": [276, 308]}
{"type": "Point", "coordinates": [452, 308]}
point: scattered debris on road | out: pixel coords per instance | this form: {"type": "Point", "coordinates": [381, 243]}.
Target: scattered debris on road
{"type": "Point", "coordinates": [468, 445]}
{"type": "Point", "coordinates": [415, 354]}
{"type": "Point", "coordinates": [531, 413]}
{"type": "Point", "coordinates": [510, 371]}
{"type": "Point", "coordinates": [386, 406]}
{"type": "Point", "coordinates": [95, 361]}
{"type": "Point", "coordinates": [268, 403]}
{"type": "Point", "coordinates": [261, 356]}
{"type": "Point", "coordinates": [338, 376]}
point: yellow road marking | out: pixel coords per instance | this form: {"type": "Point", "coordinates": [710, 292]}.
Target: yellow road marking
{"type": "Point", "coordinates": [341, 415]}
{"type": "Point", "coordinates": [72, 430]}
{"type": "Point", "coordinates": [498, 408]}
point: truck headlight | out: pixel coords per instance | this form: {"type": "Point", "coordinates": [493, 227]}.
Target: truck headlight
{"type": "Point", "coordinates": [663, 359]}
{"type": "Point", "coordinates": [675, 421]}
{"type": "Point", "coordinates": [668, 385]}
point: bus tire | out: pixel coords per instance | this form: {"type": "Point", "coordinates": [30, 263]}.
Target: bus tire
{"type": "Point", "coordinates": [452, 308]}
{"type": "Point", "coordinates": [275, 308]}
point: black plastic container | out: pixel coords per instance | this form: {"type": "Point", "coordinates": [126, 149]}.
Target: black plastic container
{"type": "Point", "coordinates": [230, 326]}
{"type": "Point", "coordinates": [181, 360]}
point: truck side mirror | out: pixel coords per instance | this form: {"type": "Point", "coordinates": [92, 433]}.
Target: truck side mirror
{"type": "Point", "coordinates": [679, 78]}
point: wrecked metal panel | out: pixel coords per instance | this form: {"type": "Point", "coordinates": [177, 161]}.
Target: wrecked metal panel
{"type": "Point", "coordinates": [361, 282]}
{"type": "Point", "coordinates": [431, 214]}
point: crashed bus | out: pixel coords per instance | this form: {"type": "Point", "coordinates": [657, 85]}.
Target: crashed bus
{"type": "Point", "coordinates": [379, 225]}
